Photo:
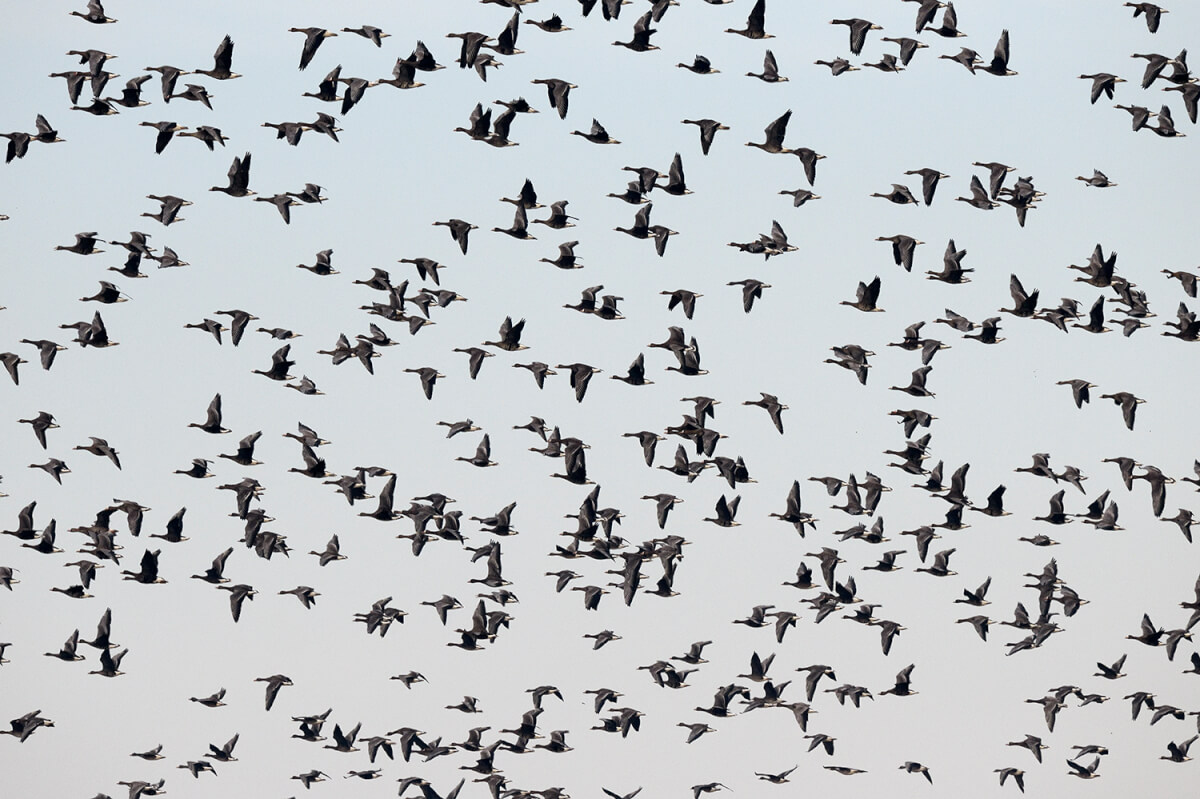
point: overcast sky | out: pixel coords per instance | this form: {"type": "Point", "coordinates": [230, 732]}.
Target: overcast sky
{"type": "Point", "coordinates": [397, 168]}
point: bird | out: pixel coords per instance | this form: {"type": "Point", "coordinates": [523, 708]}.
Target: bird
{"type": "Point", "coordinates": [41, 423]}
{"type": "Point", "coordinates": [900, 195]}
{"type": "Point", "coordinates": [1128, 403]}
{"type": "Point", "coordinates": [85, 244]}
{"type": "Point", "coordinates": [1178, 752]}
{"type": "Point", "coordinates": [916, 386]}
{"type": "Point", "coordinates": [1017, 774]}
{"type": "Point", "coordinates": [838, 66]}
{"type": "Point", "coordinates": [695, 730]}
{"type": "Point", "coordinates": [979, 196]}
{"type": "Point", "coordinates": [274, 683]}
{"type": "Point", "coordinates": [566, 257]}
{"type": "Point", "coordinates": [483, 453]}
{"type": "Point", "coordinates": [752, 290]}
{"type": "Point", "coordinates": [53, 467]}
{"type": "Point", "coordinates": [1086, 773]}
{"type": "Point", "coordinates": [949, 27]}
{"type": "Point", "coordinates": [131, 97]}
{"type": "Point", "coordinates": [238, 594]}
{"type": "Point", "coordinates": [858, 32]}
{"type": "Point", "coordinates": [1102, 83]}
{"type": "Point", "coordinates": [581, 375]}
{"type": "Point", "coordinates": [166, 131]}
{"type": "Point", "coordinates": [867, 297]}
{"type": "Point", "coordinates": [908, 47]}
{"type": "Point", "coordinates": [999, 63]}
{"type": "Point", "coordinates": [770, 73]}
{"type": "Point", "coordinates": [640, 43]}
{"type": "Point", "coordinates": [596, 135]}
{"type": "Point", "coordinates": [777, 778]}
{"type": "Point", "coordinates": [213, 700]}
{"type": "Point", "coordinates": [552, 24]}
{"type": "Point", "coordinates": [1153, 14]}
{"type": "Point", "coordinates": [916, 768]}
{"type": "Point", "coordinates": [476, 359]}
{"type": "Point", "coordinates": [313, 38]}
{"type": "Point", "coordinates": [559, 92]}
{"type": "Point", "coordinates": [774, 134]}
{"type": "Point", "coordinates": [283, 203]}
{"type": "Point", "coordinates": [459, 230]}
{"type": "Point", "coordinates": [1098, 180]}
{"type": "Point", "coordinates": [887, 63]}
{"type": "Point", "coordinates": [239, 178]}
{"type": "Point", "coordinates": [755, 23]}
{"type": "Point", "coordinates": [429, 377]}
{"type": "Point", "coordinates": [169, 207]}
{"type": "Point", "coordinates": [222, 61]}
{"type": "Point", "coordinates": [771, 404]}
{"type": "Point", "coordinates": [11, 363]}
{"type": "Point", "coordinates": [94, 14]}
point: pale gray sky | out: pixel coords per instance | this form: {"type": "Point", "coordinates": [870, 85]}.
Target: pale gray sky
{"type": "Point", "coordinates": [397, 169]}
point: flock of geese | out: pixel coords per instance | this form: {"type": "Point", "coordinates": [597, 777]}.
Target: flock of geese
{"type": "Point", "coordinates": [623, 562]}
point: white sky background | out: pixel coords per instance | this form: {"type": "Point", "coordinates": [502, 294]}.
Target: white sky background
{"type": "Point", "coordinates": [399, 168]}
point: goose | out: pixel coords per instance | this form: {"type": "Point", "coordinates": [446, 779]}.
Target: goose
{"type": "Point", "coordinates": [774, 134]}
{"type": "Point", "coordinates": [640, 43]}
{"type": "Point", "coordinates": [916, 386]}
{"type": "Point", "coordinates": [222, 60]}
{"type": "Point", "coordinates": [559, 92]}
{"type": "Point", "coordinates": [275, 681]}
{"type": "Point", "coordinates": [280, 364]}
{"type": "Point", "coordinates": [838, 66]}
{"type": "Point", "coordinates": [726, 511]}
{"type": "Point", "coordinates": [195, 92]}
{"type": "Point", "coordinates": [916, 768]}
{"type": "Point", "coordinates": [510, 336]}
{"type": "Point", "coordinates": [770, 73]}
{"type": "Point", "coordinates": [41, 423]}
{"type": "Point", "coordinates": [1153, 17]}
{"type": "Point", "coordinates": [999, 63]}
{"type": "Point", "coordinates": [887, 63]}
{"type": "Point", "coordinates": [967, 57]}
{"type": "Point", "coordinates": [908, 47]}
{"type": "Point", "coordinates": [676, 184]}
{"type": "Point", "coordinates": [979, 197]}
{"type": "Point", "coordinates": [110, 664]}
{"type": "Point", "coordinates": [858, 32]}
{"type": "Point", "coordinates": [483, 452]}
{"type": "Point", "coordinates": [755, 23]}
{"type": "Point", "coordinates": [558, 218]}
{"type": "Point", "coordinates": [53, 467]}
{"type": "Point", "coordinates": [239, 178]}
{"type": "Point", "coordinates": [566, 256]}
{"type": "Point", "coordinates": [1086, 773]}
{"type": "Point", "coordinates": [771, 404]}
{"type": "Point", "coordinates": [867, 297]}
{"type": "Point", "coordinates": [900, 195]}
{"type": "Point", "coordinates": [1128, 403]}
{"type": "Point", "coordinates": [596, 135]}
{"type": "Point", "coordinates": [941, 567]}
{"type": "Point", "coordinates": [752, 289]}
{"type": "Point", "coordinates": [369, 32]}
{"type": "Point", "coordinates": [700, 65]}
{"type": "Point", "coordinates": [949, 27]}
{"type": "Point", "coordinates": [313, 38]}
{"type": "Point", "coordinates": [552, 24]}
{"type": "Point", "coordinates": [1178, 752]}
{"type": "Point", "coordinates": [94, 14]}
